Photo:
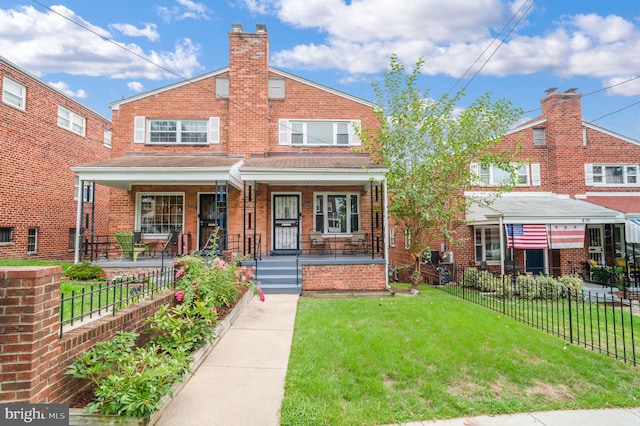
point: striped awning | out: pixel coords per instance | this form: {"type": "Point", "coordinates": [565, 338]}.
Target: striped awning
{"type": "Point", "coordinates": [632, 231]}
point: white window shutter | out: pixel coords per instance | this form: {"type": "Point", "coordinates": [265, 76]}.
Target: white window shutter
{"type": "Point", "coordinates": [284, 132]}
{"type": "Point", "coordinates": [475, 174]}
{"type": "Point", "coordinates": [214, 129]}
{"type": "Point", "coordinates": [353, 136]}
{"type": "Point", "coordinates": [588, 174]}
{"type": "Point", "coordinates": [139, 129]}
{"type": "Point", "coordinates": [535, 174]}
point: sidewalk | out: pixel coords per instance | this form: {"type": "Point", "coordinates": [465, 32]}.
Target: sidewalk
{"type": "Point", "coordinates": [241, 382]}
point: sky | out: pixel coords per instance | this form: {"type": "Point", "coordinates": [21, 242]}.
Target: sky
{"type": "Point", "coordinates": [99, 52]}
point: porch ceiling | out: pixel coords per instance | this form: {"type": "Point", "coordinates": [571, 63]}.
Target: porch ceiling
{"type": "Point", "coordinates": [540, 209]}
{"type": "Point", "coordinates": [156, 169]}
{"type": "Point", "coordinates": [325, 169]}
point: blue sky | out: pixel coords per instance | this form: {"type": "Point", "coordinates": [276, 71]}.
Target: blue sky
{"type": "Point", "coordinates": [529, 46]}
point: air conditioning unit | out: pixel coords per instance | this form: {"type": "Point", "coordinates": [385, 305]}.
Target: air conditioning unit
{"type": "Point", "coordinates": [447, 257]}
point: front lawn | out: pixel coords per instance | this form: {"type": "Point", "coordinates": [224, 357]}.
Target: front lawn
{"type": "Point", "coordinates": [377, 361]}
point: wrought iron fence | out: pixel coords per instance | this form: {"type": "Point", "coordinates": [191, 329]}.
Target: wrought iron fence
{"type": "Point", "coordinates": [102, 298]}
{"type": "Point", "coordinates": [600, 318]}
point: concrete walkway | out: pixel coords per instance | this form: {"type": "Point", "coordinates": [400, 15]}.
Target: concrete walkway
{"type": "Point", "coordinates": [241, 382]}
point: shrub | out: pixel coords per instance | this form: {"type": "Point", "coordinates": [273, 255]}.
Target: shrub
{"type": "Point", "coordinates": [181, 328]}
{"type": "Point", "coordinates": [572, 282]}
{"type": "Point", "coordinates": [470, 277]}
{"type": "Point", "coordinates": [85, 271]}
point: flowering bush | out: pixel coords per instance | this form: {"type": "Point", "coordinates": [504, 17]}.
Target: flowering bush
{"type": "Point", "coordinates": [207, 288]}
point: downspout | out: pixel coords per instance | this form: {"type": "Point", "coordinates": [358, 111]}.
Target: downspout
{"type": "Point", "coordinates": [76, 255]}
{"type": "Point", "coordinates": [502, 248]}
{"type": "Point", "coordinates": [385, 226]}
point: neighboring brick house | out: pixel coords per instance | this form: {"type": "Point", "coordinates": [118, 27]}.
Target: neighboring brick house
{"type": "Point", "coordinates": [269, 158]}
{"type": "Point", "coordinates": [43, 133]}
{"type": "Point", "coordinates": [577, 193]}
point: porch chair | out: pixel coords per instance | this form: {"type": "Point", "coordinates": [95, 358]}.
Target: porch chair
{"type": "Point", "coordinates": [172, 243]}
{"type": "Point", "coordinates": [125, 240]}
{"type": "Point", "coordinates": [317, 242]}
{"type": "Point", "coordinates": [358, 243]}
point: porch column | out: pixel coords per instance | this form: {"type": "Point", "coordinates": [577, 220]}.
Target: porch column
{"type": "Point", "coordinates": [76, 250]}
{"type": "Point", "coordinates": [385, 227]}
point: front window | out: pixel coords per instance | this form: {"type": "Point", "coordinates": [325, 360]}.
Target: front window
{"type": "Point", "coordinates": [178, 131]}
{"type": "Point", "coordinates": [615, 175]}
{"type": "Point", "coordinates": [159, 214]}
{"type": "Point", "coordinates": [71, 121]}
{"type": "Point", "coordinates": [13, 93]}
{"type": "Point", "coordinates": [320, 133]}
{"type": "Point", "coordinates": [337, 213]}
{"type": "Point", "coordinates": [487, 243]}
{"type": "Point", "coordinates": [494, 175]}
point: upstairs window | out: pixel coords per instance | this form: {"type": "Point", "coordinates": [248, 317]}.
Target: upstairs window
{"type": "Point", "coordinates": [71, 121]}
{"type": "Point", "coordinates": [222, 87]}
{"type": "Point", "coordinates": [611, 175]}
{"type": "Point", "coordinates": [319, 133]}
{"type": "Point", "coordinates": [276, 88]}
{"type": "Point", "coordinates": [176, 131]}
{"type": "Point", "coordinates": [107, 138]}
{"type": "Point", "coordinates": [539, 137]}
{"type": "Point", "coordinates": [13, 93]}
{"type": "Point", "coordinates": [526, 175]}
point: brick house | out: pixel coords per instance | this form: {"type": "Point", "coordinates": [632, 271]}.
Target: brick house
{"type": "Point", "coordinates": [576, 199]}
{"type": "Point", "coordinates": [43, 134]}
{"type": "Point", "coordinates": [268, 158]}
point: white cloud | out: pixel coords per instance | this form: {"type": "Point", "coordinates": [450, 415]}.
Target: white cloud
{"type": "Point", "coordinates": [149, 30]}
{"type": "Point", "coordinates": [64, 88]}
{"type": "Point", "coordinates": [136, 86]}
{"type": "Point", "coordinates": [44, 42]}
{"type": "Point", "coordinates": [623, 86]}
{"type": "Point", "coordinates": [451, 35]}
{"type": "Point", "coordinates": [186, 9]}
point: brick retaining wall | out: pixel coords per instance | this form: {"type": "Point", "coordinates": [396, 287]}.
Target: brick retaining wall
{"type": "Point", "coordinates": [344, 277]}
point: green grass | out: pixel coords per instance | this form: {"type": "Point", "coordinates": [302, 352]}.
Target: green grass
{"type": "Point", "coordinates": [370, 361]}
{"type": "Point", "coordinates": [27, 262]}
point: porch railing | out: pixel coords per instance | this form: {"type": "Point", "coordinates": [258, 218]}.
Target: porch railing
{"type": "Point", "coordinates": [96, 300]}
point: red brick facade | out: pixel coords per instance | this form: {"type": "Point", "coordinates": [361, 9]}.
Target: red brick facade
{"type": "Point", "coordinates": [37, 190]}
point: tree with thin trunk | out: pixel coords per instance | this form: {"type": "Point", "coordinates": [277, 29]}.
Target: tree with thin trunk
{"type": "Point", "coordinates": [428, 147]}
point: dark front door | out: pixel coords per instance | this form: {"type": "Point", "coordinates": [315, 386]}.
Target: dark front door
{"type": "Point", "coordinates": [535, 261]}
{"type": "Point", "coordinates": [286, 212]}
{"type": "Point", "coordinates": [212, 217]}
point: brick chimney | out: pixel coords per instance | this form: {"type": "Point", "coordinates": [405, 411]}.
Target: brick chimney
{"type": "Point", "coordinates": [248, 90]}
{"type": "Point", "coordinates": [564, 136]}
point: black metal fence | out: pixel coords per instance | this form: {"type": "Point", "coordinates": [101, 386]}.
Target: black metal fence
{"type": "Point", "coordinates": [600, 318]}
{"type": "Point", "coordinates": [102, 298]}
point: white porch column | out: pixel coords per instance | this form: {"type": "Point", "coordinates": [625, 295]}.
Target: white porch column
{"type": "Point", "coordinates": [76, 256]}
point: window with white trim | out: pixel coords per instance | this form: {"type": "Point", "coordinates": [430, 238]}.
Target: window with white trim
{"type": "Point", "coordinates": [157, 214]}
{"type": "Point", "coordinates": [87, 190]}
{"type": "Point", "coordinates": [69, 120]}
{"type": "Point", "coordinates": [32, 240]}
{"type": "Point", "coordinates": [6, 234]}
{"type": "Point", "coordinates": [487, 244]}
{"type": "Point", "coordinates": [526, 175]}
{"type": "Point", "coordinates": [337, 213]}
{"type": "Point", "coordinates": [107, 138]}
{"type": "Point", "coordinates": [14, 93]}
{"type": "Point", "coordinates": [171, 131]}
{"type": "Point", "coordinates": [319, 133]}
{"type": "Point", "coordinates": [611, 174]}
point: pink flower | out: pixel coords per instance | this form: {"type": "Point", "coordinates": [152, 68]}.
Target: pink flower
{"type": "Point", "coordinates": [233, 255]}
{"type": "Point", "coordinates": [179, 273]}
{"type": "Point", "coordinates": [180, 295]}
{"type": "Point", "coordinates": [214, 310]}
{"type": "Point", "coordinates": [261, 294]}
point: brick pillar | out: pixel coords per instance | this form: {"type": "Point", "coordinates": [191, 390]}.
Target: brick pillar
{"type": "Point", "coordinates": [29, 331]}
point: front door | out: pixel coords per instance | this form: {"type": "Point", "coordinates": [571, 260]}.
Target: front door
{"type": "Point", "coordinates": [286, 215]}
{"type": "Point", "coordinates": [534, 261]}
{"type": "Point", "coordinates": [596, 244]}
{"type": "Point", "coordinates": [213, 216]}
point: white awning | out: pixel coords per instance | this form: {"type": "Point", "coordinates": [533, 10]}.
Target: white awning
{"type": "Point", "coordinates": [632, 231]}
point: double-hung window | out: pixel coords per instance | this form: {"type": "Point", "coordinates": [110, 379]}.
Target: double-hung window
{"type": "Point", "coordinates": [319, 133]}
{"type": "Point", "coordinates": [157, 214]}
{"type": "Point", "coordinates": [69, 120]}
{"type": "Point", "coordinates": [526, 175]}
{"type": "Point", "coordinates": [611, 174]}
{"type": "Point", "coordinates": [337, 213]}
{"type": "Point", "coordinates": [13, 93]}
{"type": "Point", "coordinates": [487, 243]}
{"type": "Point", "coordinates": [169, 131]}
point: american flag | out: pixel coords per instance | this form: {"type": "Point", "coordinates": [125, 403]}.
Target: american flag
{"type": "Point", "coordinates": [566, 236]}
{"type": "Point", "coordinates": [526, 236]}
